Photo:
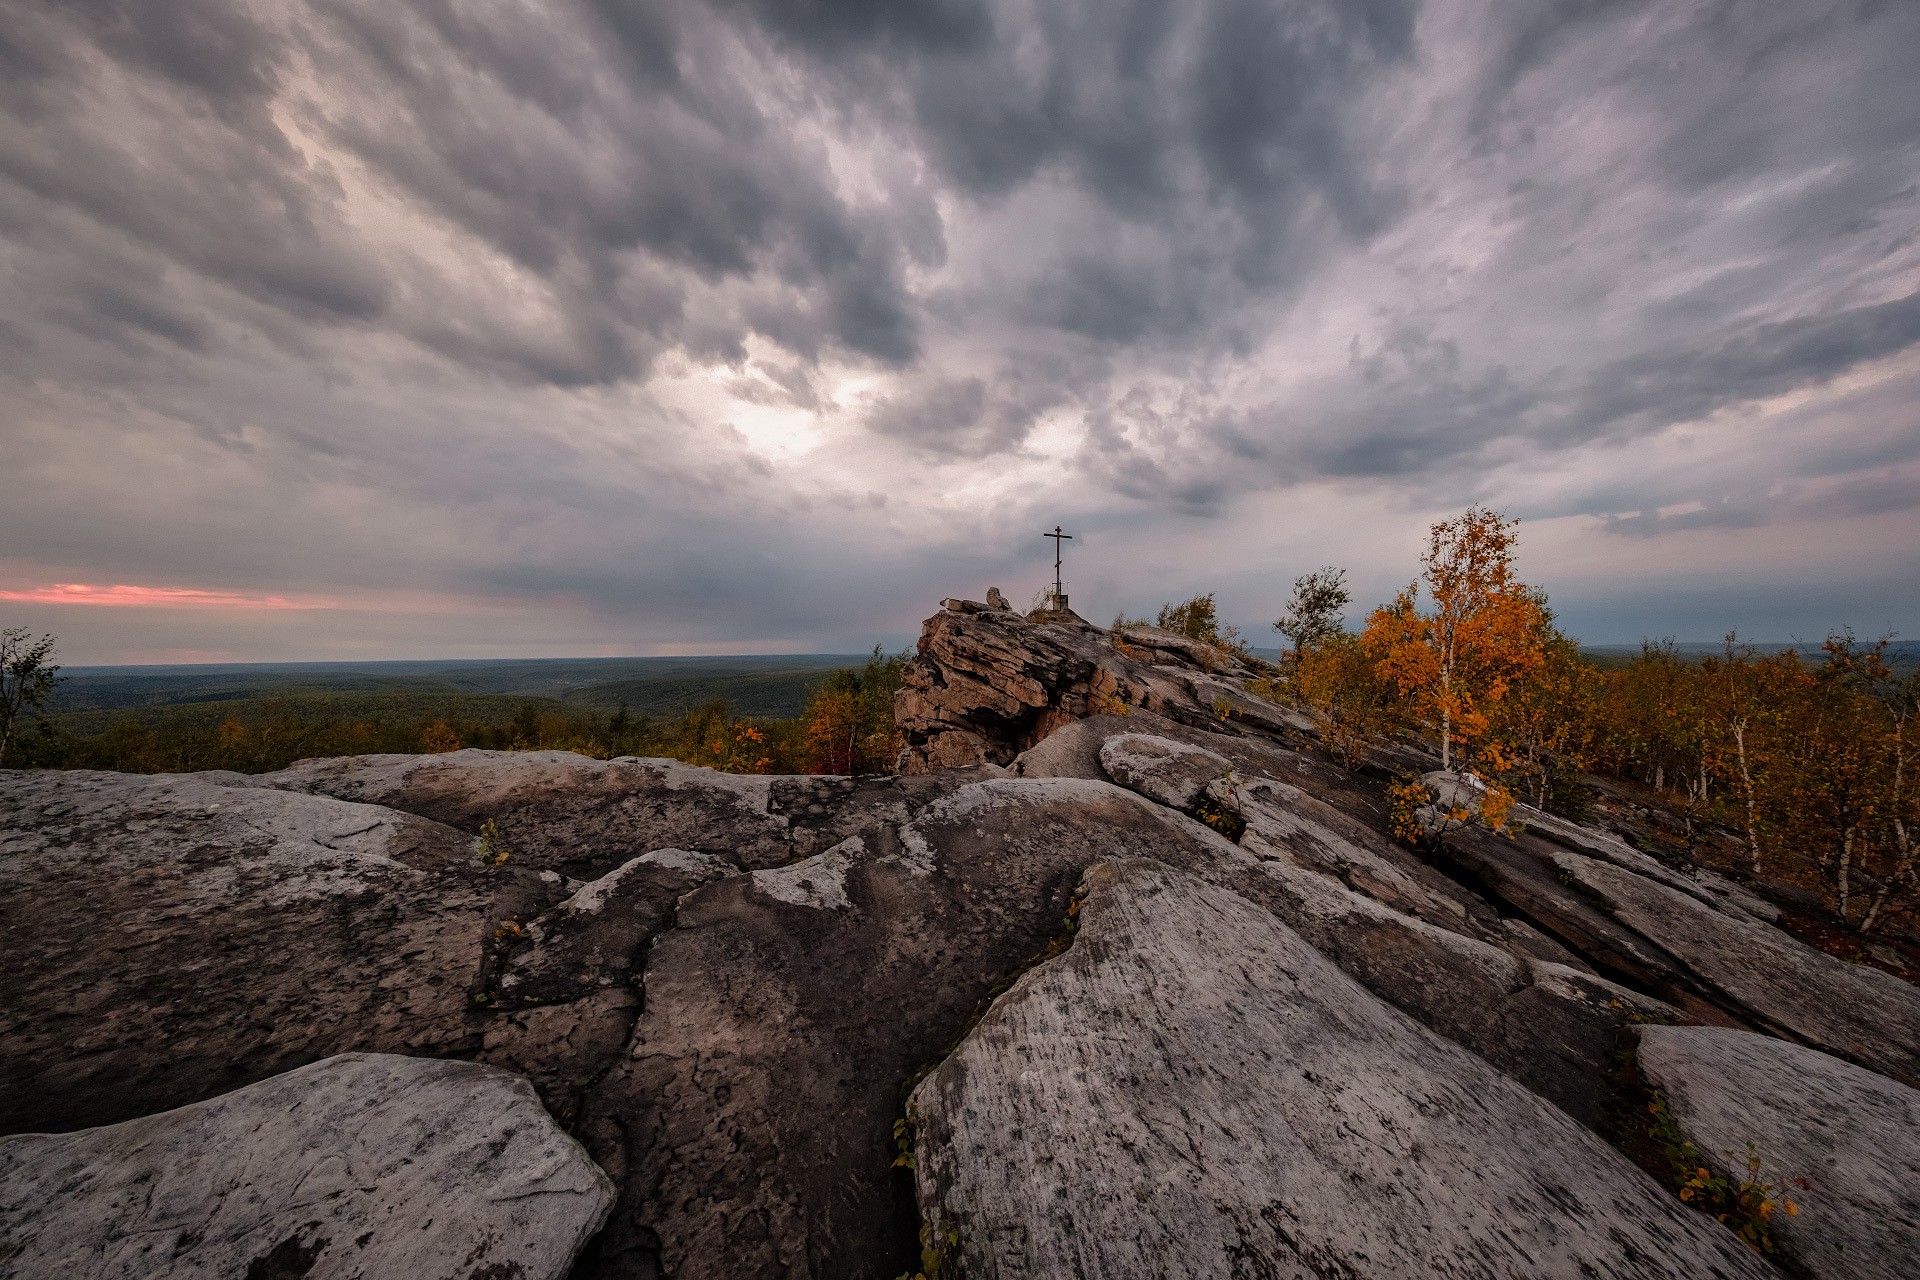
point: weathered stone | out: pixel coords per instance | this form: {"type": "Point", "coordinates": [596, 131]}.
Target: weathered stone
{"type": "Point", "coordinates": [1192, 1090]}
{"type": "Point", "coordinates": [562, 1049]}
{"type": "Point", "coordinates": [1073, 750]}
{"type": "Point", "coordinates": [1518, 873]}
{"type": "Point", "coordinates": [1765, 975]}
{"type": "Point", "coordinates": [1167, 772]}
{"type": "Point", "coordinates": [189, 937]}
{"type": "Point", "coordinates": [1719, 963]}
{"type": "Point", "coordinates": [723, 983]}
{"type": "Point", "coordinates": [359, 1165]}
{"type": "Point", "coordinates": [1173, 648]}
{"type": "Point", "coordinates": [1550, 1027]}
{"type": "Point", "coordinates": [1285, 822]}
{"type": "Point", "coordinates": [1495, 986]}
{"type": "Point", "coordinates": [594, 938]}
{"type": "Point", "coordinates": [1696, 882]}
{"type": "Point", "coordinates": [1731, 893]}
{"type": "Point", "coordinates": [1853, 1134]}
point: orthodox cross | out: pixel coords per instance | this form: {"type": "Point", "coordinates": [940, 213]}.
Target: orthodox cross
{"type": "Point", "coordinates": [1059, 540]}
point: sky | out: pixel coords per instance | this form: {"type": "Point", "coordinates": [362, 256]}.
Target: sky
{"type": "Point", "coordinates": [428, 328]}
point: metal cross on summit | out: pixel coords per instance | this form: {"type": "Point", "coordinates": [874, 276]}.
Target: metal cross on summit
{"type": "Point", "coordinates": [1058, 598]}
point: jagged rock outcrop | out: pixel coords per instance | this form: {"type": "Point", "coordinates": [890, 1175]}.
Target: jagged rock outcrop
{"type": "Point", "coordinates": [723, 986]}
{"type": "Point", "coordinates": [1853, 1135]}
{"type": "Point", "coordinates": [197, 933]}
{"type": "Point", "coordinates": [986, 684]}
{"type": "Point", "coordinates": [359, 1165]}
{"type": "Point", "coordinates": [1192, 1090]}
{"type": "Point", "coordinates": [1489, 984]}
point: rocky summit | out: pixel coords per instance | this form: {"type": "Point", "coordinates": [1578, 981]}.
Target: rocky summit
{"type": "Point", "coordinates": [1118, 976]}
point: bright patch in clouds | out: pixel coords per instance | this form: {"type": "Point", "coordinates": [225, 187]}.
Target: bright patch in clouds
{"type": "Point", "coordinates": [129, 597]}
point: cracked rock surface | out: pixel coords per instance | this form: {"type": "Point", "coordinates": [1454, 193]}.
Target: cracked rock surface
{"type": "Point", "coordinates": [566, 813]}
{"type": "Point", "coordinates": [189, 937]}
{"type": "Point", "coordinates": [358, 1165]}
{"type": "Point", "coordinates": [1852, 1134]}
{"type": "Point", "coordinates": [1193, 1090]}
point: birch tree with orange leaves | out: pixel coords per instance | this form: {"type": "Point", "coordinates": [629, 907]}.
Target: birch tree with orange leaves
{"type": "Point", "coordinates": [1485, 632]}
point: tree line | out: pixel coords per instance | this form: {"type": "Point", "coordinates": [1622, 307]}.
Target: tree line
{"type": "Point", "coordinates": [846, 726]}
{"type": "Point", "coordinates": [1806, 759]}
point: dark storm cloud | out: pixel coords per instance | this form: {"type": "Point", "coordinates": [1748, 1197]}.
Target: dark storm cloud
{"type": "Point", "coordinates": [933, 414]}
{"type": "Point", "coordinates": [829, 27]}
{"type": "Point", "coordinates": [520, 299]}
{"type": "Point", "coordinates": [1418, 410]}
{"type": "Point", "coordinates": [1530, 33]}
{"type": "Point", "coordinates": [973, 418]}
{"type": "Point", "coordinates": [210, 47]}
{"type": "Point", "coordinates": [1217, 138]}
{"type": "Point", "coordinates": [625, 153]}
{"type": "Point", "coordinates": [1664, 387]}
{"type": "Point", "coordinates": [602, 183]}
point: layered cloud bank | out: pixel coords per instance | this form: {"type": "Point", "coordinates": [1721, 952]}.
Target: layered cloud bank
{"type": "Point", "coordinates": [615, 327]}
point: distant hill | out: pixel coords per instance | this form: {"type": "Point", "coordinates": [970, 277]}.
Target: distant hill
{"type": "Point", "coordinates": [755, 685]}
{"type": "Point", "coordinates": [1903, 654]}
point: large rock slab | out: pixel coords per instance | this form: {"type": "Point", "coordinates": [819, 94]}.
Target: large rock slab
{"type": "Point", "coordinates": [1707, 885]}
{"type": "Point", "coordinates": [1295, 806]}
{"type": "Point", "coordinates": [180, 937]}
{"type": "Point", "coordinates": [1762, 974]}
{"type": "Point", "coordinates": [1192, 1090]}
{"type": "Point", "coordinates": [1853, 1134]}
{"type": "Point", "coordinates": [361, 1165]}
{"type": "Point", "coordinates": [1163, 770]}
{"type": "Point", "coordinates": [1508, 994]}
{"type": "Point", "coordinates": [1552, 1028]}
{"type": "Point", "coordinates": [594, 939]}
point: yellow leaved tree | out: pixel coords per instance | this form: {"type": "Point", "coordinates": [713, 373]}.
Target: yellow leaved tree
{"type": "Point", "coordinates": [1485, 634]}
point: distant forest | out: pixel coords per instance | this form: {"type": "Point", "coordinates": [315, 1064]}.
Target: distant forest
{"type": "Point", "coordinates": [741, 713]}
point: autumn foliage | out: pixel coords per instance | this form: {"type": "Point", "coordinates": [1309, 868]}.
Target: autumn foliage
{"type": "Point", "coordinates": [1484, 634]}
{"type": "Point", "coordinates": [848, 726]}
{"type": "Point", "coordinates": [1809, 763]}
{"type": "Point", "coordinates": [1784, 766]}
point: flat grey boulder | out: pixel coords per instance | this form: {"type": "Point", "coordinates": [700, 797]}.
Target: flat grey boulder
{"type": "Point", "coordinates": [1167, 772]}
{"type": "Point", "coordinates": [1192, 1090]}
{"type": "Point", "coordinates": [1853, 1134]}
{"type": "Point", "coordinates": [362, 1165]}
{"type": "Point", "coordinates": [748, 1121]}
{"type": "Point", "coordinates": [1497, 987]}
{"type": "Point", "coordinates": [188, 937]}
{"type": "Point", "coordinates": [1551, 1028]}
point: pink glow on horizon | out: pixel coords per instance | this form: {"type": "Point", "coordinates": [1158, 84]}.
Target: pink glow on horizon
{"type": "Point", "coordinates": [131, 597]}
